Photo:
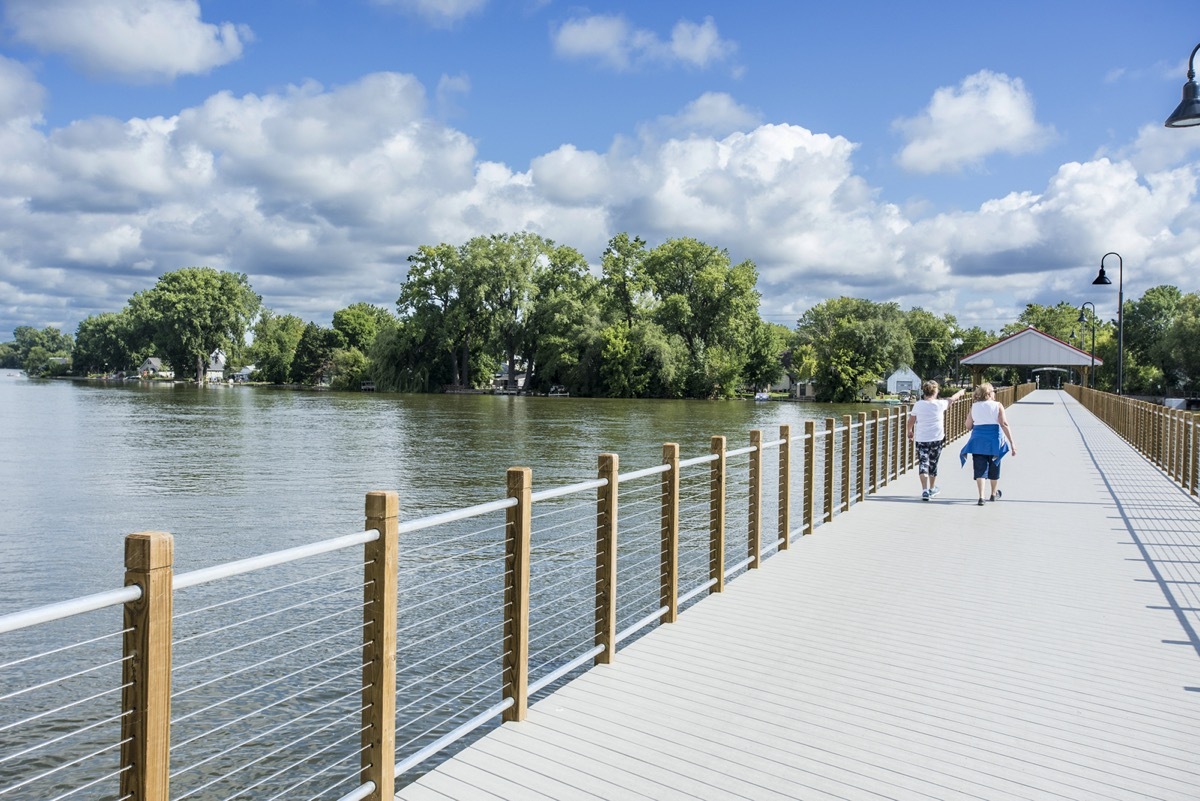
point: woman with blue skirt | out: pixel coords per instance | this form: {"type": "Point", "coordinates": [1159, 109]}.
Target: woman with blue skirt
{"type": "Point", "coordinates": [990, 439]}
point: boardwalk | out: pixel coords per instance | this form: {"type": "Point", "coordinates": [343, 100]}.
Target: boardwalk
{"type": "Point", "coordinates": [1041, 647]}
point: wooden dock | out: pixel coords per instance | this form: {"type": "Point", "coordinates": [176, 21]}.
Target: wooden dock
{"type": "Point", "coordinates": [1043, 646]}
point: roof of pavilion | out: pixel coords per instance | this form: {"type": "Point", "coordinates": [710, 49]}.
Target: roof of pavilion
{"type": "Point", "coordinates": [1031, 347]}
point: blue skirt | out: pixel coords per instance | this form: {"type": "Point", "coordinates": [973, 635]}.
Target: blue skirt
{"type": "Point", "coordinates": [986, 441]}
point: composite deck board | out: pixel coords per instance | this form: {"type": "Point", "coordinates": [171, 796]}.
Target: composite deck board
{"type": "Point", "coordinates": [1042, 646]}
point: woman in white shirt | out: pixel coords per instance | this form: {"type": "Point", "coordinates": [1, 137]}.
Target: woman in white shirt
{"type": "Point", "coordinates": [990, 439]}
{"type": "Point", "coordinates": [927, 431]}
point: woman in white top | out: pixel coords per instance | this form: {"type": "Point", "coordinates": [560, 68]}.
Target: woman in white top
{"type": "Point", "coordinates": [991, 439]}
{"type": "Point", "coordinates": [927, 430]}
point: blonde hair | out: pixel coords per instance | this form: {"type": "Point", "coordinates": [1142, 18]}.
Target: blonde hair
{"type": "Point", "coordinates": [929, 388]}
{"type": "Point", "coordinates": [982, 391]}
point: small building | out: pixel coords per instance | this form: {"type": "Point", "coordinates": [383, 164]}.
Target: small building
{"type": "Point", "coordinates": [903, 380]}
{"type": "Point", "coordinates": [500, 383]}
{"type": "Point", "coordinates": [153, 368]}
{"type": "Point", "coordinates": [215, 373]}
{"type": "Point", "coordinates": [243, 375]}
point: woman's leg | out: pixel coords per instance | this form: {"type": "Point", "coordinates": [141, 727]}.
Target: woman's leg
{"type": "Point", "coordinates": [979, 465]}
{"type": "Point", "coordinates": [994, 477]}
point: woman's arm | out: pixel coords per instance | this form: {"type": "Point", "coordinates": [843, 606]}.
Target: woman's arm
{"type": "Point", "coordinates": [1003, 419]}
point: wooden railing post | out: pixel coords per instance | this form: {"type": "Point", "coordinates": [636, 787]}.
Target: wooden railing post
{"type": "Point", "coordinates": [847, 485]}
{"type": "Point", "coordinates": [896, 440]}
{"type": "Point", "coordinates": [668, 592]}
{"type": "Point", "coordinates": [862, 456]}
{"type": "Point", "coordinates": [146, 669]}
{"type": "Point", "coordinates": [875, 440]}
{"type": "Point", "coordinates": [754, 510]}
{"type": "Point", "coordinates": [1194, 459]}
{"type": "Point", "coordinates": [830, 453]}
{"type": "Point", "coordinates": [716, 522]}
{"type": "Point", "coordinates": [606, 558]}
{"type": "Point", "coordinates": [810, 467]}
{"type": "Point", "coordinates": [518, 520]}
{"type": "Point", "coordinates": [883, 433]}
{"type": "Point", "coordinates": [381, 577]}
{"type": "Point", "coordinates": [785, 487]}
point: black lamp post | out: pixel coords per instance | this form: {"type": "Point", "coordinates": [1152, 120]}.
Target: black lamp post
{"type": "Point", "coordinates": [1104, 279]}
{"type": "Point", "coordinates": [1083, 319]}
{"type": "Point", "coordinates": [1187, 113]}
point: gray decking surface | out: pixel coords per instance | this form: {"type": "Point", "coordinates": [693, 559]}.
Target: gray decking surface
{"type": "Point", "coordinates": [1041, 647]}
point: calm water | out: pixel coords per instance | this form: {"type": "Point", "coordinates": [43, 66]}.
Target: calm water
{"type": "Point", "coordinates": [239, 471]}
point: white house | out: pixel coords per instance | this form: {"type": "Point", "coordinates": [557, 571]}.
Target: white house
{"type": "Point", "coordinates": [903, 380]}
{"type": "Point", "coordinates": [216, 367]}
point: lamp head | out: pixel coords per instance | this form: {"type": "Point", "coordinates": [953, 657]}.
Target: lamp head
{"type": "Point", "coordinates": [1082, 317]}
{"type": "Point", "coordinates": [1102, 278]}
{"type": "Point", "coordinates": [1187, 113]}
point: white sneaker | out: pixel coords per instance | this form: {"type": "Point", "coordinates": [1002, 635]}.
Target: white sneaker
{"type": "Point", "coordinates": [934, 491]}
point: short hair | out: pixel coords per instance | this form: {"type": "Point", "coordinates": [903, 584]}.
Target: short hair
{"type": "Point", "coordinates": [982, 391]}
{"type": "Point", "coordinates": [929, 388]}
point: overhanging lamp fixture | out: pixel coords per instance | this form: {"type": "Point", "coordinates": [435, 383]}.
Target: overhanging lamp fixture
{"type": "Point", "coordinates": [1187, 113]}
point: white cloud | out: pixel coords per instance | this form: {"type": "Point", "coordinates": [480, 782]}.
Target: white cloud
{"type": "Point", "coordinates": [712, 114]}
{"type": "Point", "coordinates": [614, 42]}
{"type": "Point", "coordinates": [439, 13]}
{"type": "Point", "coordinates": [320, 193]}
{"type": "Point", "coordinates": [987, 113]}
{"type": "Point", "coordinates": [449, 88]}
{"type": "Point", "coordinates": [133, 39]}
{"type": "Point", "coordinates": [21, 96]}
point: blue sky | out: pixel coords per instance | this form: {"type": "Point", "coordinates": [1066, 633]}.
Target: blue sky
{"type": "Point", "coordinates": [965, 158]}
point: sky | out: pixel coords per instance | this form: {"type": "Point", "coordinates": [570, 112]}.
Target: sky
{"type": "Point", "coordinates": [965, 158]}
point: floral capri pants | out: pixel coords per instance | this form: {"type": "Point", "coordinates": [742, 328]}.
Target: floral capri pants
{"type": "Point", "coordinates": [928, 454]}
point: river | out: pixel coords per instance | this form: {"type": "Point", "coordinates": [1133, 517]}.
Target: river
{"type": "Point", "coordinates": [236, 471]}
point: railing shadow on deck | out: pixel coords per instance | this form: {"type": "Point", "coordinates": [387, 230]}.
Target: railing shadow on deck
{"type": "Point", "coordinates": [343, 668]}
{"type": "Point", "coordinates": [1168, 439]}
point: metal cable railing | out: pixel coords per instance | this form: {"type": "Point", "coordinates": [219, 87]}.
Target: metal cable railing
{"type": "Point", "coordinates": [278, 679]}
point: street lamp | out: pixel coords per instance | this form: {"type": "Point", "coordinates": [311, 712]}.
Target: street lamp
{"type": "Point", "coordinates": [1083, 319]}
{"type": "Point", "coordinates": [1103, 279]}
{"type": "Point", "coordinates": [1187, 113]}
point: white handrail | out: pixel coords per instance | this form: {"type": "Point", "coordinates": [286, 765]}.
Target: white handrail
{"type": "Point", "coordinates": [569, 489]}
{"type": "Point", "coordinates": [456, 515]}
{"type": "Point", "coordinates": [63, 609]}
{"type": "Point", "coordinates": [207, 574]}
{"type": "Point", "coordinates": [451, 737]}
{"type": "Point", "coordinates": [648, 471]}
{"type": "Point", "coordinates": [559, 672]}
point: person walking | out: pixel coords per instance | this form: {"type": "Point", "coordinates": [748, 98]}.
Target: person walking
{"type": "Point", "coordinates": [991, 438]}
{"type": "Point", "coordinates": [927, 431]}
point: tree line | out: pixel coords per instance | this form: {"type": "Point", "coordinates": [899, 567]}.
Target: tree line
{"type": "Point", "coordinates": [677, 320]}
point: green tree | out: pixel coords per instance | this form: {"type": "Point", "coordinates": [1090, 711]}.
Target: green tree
{"type": "Point", "coordinates": [443, 297]}
{"type": "Point", "coordinates": [37, 362]}
{"type": "Point", "coordinates": [313, 362]}
{"type": "Point", "coordinates": [348, 369]}
{"type": "Point", "coordinates": [1181, 340]}
{"type": "Point", "coordinates": [1146, 322]}
{"type": "Point", "coordinates": [857, 343]}
{"type": "Point", "coordinates": [103, 343]}
{"type": "Point", "coordinates": [764, 354]}
{"type": "Point", "coordinates": [276, 337]}
{"type": "Point", "coordinates": [508, 263]}
{"type": "Point", "coordinates": [49, 339]}
{"type": "Point", "coordinates": [359, 323]}
{"type": "Point", "coordinates": [563, 339]}
{"type": "Point", "coordinates": [9, 356]}
{"type": "Point", "coordinates": [710, 304]}
{"type": "Point", "coordinates": [623, 267]}
{"type": "Point", "coordinates": [191, 313]}
{"type": "Point", "coordinates": [1058, 321]}
{"type": "Point", "coordinates": [932, 342]}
